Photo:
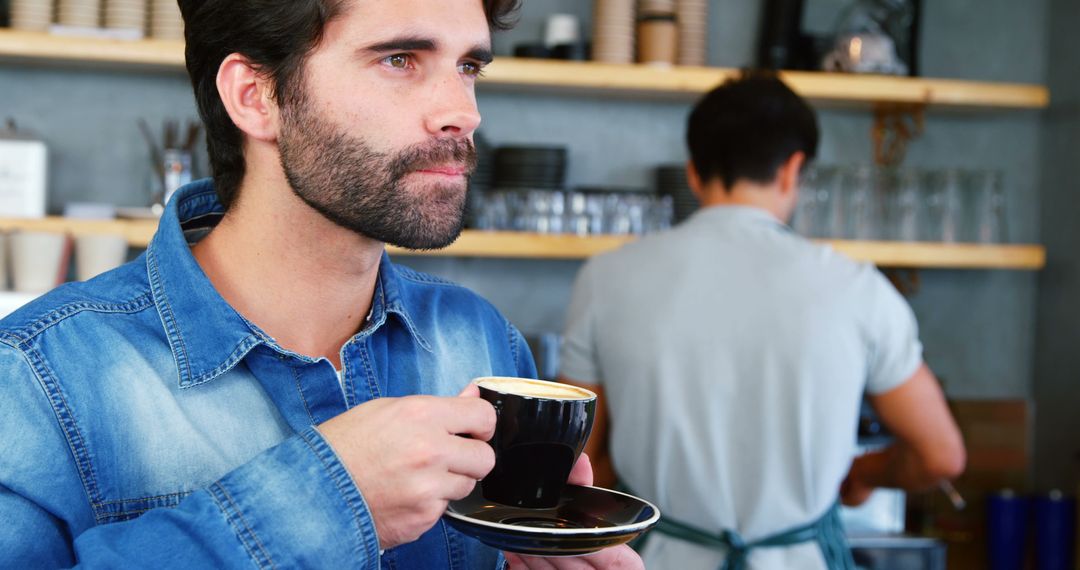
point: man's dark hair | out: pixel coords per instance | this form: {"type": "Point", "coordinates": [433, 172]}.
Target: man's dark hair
{"type": "Point", "coordinates": [747, 127]}
{"type": "Point", "coordinates": [277, 36]}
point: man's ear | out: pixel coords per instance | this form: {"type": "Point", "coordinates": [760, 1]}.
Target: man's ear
{"type": "Point", "coordinates": [248, 97]}
{"type": "Point", "coordinates": [788, 177]}
{"type": "Point", "coordinates": [694, 180]}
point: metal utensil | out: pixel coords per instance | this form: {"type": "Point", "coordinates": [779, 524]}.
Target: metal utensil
{"type": "Point", "coordinates": [954, 496]}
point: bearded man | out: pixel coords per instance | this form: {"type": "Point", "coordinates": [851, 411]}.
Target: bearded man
{"type": "Point", "coordinates": [263, 386]}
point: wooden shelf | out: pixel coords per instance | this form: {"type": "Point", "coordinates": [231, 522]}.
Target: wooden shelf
{"type": "Point", "coordinates": [137, 232]}
{"type": "Point", "coordinates": [829, 89]}
{"type": "Point", "coordinates": [517, 245]}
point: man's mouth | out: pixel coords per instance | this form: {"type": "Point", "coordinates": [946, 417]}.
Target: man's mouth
{"type": "Point", "coordinates": [445, 170]}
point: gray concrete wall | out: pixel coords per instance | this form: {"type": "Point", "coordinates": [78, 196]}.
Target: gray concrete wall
{"type": "Point", "coordinates": [978, 326]}
{"type": "Point", "coordinates": [1057, 359]}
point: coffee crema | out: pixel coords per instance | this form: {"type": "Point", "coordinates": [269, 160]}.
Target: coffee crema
{"type": "Point", "coordinates": [535, 388]}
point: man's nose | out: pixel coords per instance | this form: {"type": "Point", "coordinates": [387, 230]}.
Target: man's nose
{"type": "Point", "coordinates": [453, 111]}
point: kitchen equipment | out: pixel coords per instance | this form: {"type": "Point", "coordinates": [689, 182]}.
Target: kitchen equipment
{"type": "Point", "coordinates": [876, 36]}
{"type": "Point", "coordinates": [23, 174]}
{"type": "Point", "coordinates": [897, 553]}
{"type": "Point", "coordinates": [780, 25]}
{"type": "Point", "coordinates": [671, 181]}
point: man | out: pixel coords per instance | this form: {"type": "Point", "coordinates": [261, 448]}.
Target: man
{"type": "Point", "coordinates": [253, 399]}
{"type": "Point", "coordinates": [731, 356]}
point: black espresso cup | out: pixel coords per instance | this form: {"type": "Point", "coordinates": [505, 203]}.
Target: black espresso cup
{"type": "Point", "coordinates": [541, 430]}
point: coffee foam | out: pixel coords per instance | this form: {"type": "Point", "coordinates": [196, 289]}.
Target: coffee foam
{"type": "Point", "coordinates": [535, 388]}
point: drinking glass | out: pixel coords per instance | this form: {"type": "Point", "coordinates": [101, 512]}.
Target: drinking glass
{"type": "Point", "coordinates": [988, 211]}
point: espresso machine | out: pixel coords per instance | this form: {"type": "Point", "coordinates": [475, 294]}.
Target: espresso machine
{"type": "Point", "coordinates": [875, 529]}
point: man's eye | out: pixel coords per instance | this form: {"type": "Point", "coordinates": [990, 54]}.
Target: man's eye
{"type": "Point", "coordinates": [398, 61]}
{"type": "Point", "coordinates": [472, 69]}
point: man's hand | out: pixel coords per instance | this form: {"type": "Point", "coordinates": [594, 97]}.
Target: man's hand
{"type": "Point", "coordinates": [618, 557]}
{"type": "Point", "coordinates": [407, 460]}
{"type": "Point", "coordinates": [853, 491]}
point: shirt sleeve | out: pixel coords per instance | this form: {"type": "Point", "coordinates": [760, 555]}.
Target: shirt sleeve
{"type": "Point", "coordinates": [294, 505]}
{"type": "Point", "coordinates": [894, 352]}
{"type": "Point", "coordinates": [578, 359]}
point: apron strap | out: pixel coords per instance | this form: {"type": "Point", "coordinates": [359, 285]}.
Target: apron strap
{"type": "Point", "coordinates": [827, 531]}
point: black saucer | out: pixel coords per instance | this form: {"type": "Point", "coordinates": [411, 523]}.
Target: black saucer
{"type": "Point", "coordinates": [587, 519]}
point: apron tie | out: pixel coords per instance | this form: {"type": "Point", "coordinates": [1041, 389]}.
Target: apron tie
{"type": "Point", "coordinates": [827, 532]}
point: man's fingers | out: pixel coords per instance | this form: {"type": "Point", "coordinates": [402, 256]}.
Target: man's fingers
{"type": "Point", "coordinates": [471, 416]}
{"type": "Point", "coordinates": [470, 458]}
{"type": "Point", "coordinates": [530, 563]}
{"type": "Point", "coordinates": [582, 473]}
{"type": "Point", "coordinates": [471, 390]}
{"type": "Point", "coordinates": [458, 487]}
{"type": "Point", "coordinates": [616, 558]}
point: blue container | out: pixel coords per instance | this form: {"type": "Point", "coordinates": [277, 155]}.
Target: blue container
{"type": "Point", "coordinates": [1055, 531]}
{"type": "Point", "coordinates": [1007, 532]}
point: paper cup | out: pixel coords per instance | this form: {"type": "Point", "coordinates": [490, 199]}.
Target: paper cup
{"type": "Point", "coordinates": [3, 262]}
{"type": "Point", "coordinates": [97, 253]}
{"type": "Point", "coordinates": [39, 260]}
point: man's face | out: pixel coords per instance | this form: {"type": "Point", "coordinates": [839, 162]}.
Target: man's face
{"type": "Point", "coordinates": [380, 138]}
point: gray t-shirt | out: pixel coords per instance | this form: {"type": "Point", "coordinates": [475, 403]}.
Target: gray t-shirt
{"type": "Point", "coordinates": [733, 355]}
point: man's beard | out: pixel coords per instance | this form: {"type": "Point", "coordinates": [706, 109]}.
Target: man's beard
{"type": "Point", "coordinates": [363, 190]}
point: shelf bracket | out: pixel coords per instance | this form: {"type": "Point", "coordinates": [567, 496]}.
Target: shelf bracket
{"type": "Point", "coordinates": [896, 125]}
{"type": "Point", "coordinates": [906, 281]}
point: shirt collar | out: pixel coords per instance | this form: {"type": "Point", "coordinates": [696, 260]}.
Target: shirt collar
{"type": "Point", "coordinates": [736, 215]}
{"type": "Point", "coordinates": [206, 335]}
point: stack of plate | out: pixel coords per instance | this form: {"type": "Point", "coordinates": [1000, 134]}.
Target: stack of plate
{"type": "Point", "coordinates": [79, 13]}
{"type": "Point", "coordinates": [693, 19]}
{"type": "Point", "coordinates": [125, 14]}
{"type": "Point", "coordinates": [166, 23]}
{"type": "Point", "coordinates": [671, 181]}
{"type": "Point", "coordinates": [613, 31]}
{"type": "Point", "coordinates": [33, 15]}
{"type": "Point", "coordinates": [538, 168]}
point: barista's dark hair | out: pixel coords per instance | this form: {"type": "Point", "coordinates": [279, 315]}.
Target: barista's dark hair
{"type": "Point", "coordinates": [277, 36]}
{"type": "Point", "coordinates": [747, 127]}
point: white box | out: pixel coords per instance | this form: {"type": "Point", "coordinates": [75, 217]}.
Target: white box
{"type": "Point", "coordinates": [23, 168]}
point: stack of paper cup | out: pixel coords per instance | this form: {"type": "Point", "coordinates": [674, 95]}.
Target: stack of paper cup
{"type": "Point", "coordinates": [613, 31]}
{"type": "Point", "coordinates": [32, 15]}
{"type": "Point", "coordinates": [693, 18]}
{"type": "Point", "coordinates": [79, 13]}
{"type": "Point", "coordinates": [125, 14]}
{"type": "Point", "coordinates": [166, 23]}
{"type": "Point", "coordinates": [656, 7]}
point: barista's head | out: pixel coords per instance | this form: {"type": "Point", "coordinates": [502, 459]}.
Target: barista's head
{"type": "Point", "coordinates": [749, 129]}
{"type": "Point", "coordinates": [279, 38]}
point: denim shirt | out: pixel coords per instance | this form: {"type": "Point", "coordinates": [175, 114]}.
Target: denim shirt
{"type": "Point", "coordinates": [144, 422]}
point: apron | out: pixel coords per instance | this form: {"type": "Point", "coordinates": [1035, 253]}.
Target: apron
{"type": "Point", "coordinates": [827, 532]}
